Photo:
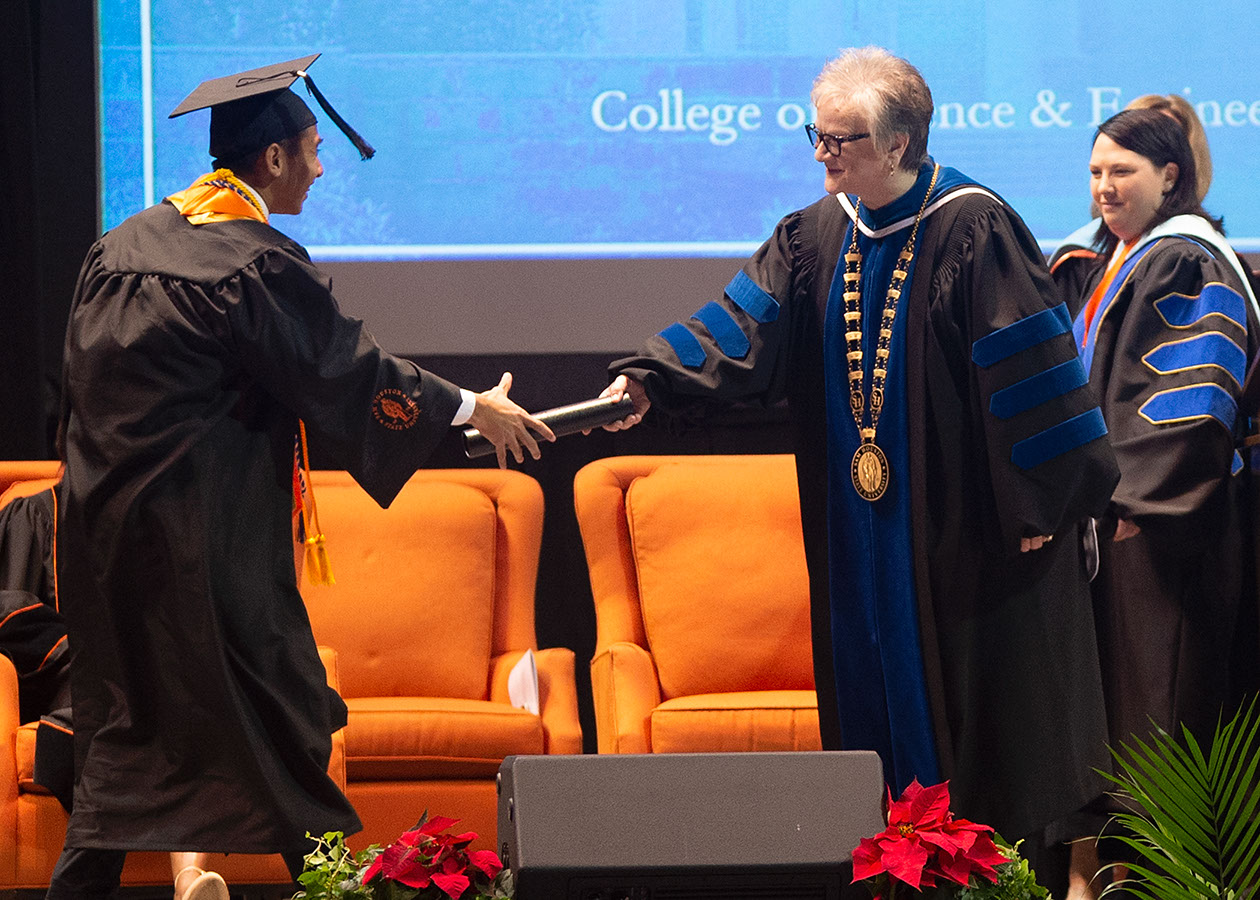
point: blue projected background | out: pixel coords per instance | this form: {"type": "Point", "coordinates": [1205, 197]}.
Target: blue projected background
{"type": "Point", "coordinates": [656, 128]}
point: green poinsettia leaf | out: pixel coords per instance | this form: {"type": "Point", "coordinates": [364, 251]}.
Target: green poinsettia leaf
{"type": "Point", "coordinates": [1016, 881]}
{"type": "Point", "coordinates": [504, 885]}
{"type": "Point", "coordinates": [331, 870]}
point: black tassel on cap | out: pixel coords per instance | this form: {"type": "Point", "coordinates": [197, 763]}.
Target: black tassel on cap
{"type": "Point", "coordinates": [252, 109]}
{"type": "Point", "coordinates": [366, 151]}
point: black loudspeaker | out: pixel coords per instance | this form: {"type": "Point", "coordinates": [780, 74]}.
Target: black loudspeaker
{"type": "Point", "coordinates": [688, 826]}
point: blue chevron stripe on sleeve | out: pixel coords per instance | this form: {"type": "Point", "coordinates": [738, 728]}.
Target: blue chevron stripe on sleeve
{"type": "Point", "coordinates": [685, 344]}
{"type": "Point", "coordinates": [1059, 439]}
{"type": "Point", "coordinates": [731, 340]}
{"type": "Point", "coordinates": [749, 296]}
{"type": "Point", "coordinates": [1020, 336]}
{"type": "Point", "coordinates": [1194, 401]}
{"type": "Point", "coordinates": [1180, 311]}
{"type": "Point", "coordinates": [1037, 389]}
{"type": "Point", "coordinates": [1209, 349]}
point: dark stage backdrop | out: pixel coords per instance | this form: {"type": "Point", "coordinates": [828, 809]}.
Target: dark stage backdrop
{"type": "Point", "coordinates": [49, 211]}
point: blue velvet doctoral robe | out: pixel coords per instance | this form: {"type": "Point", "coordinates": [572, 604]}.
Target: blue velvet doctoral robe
{"type": "Point", "coordinates": [880, 684]}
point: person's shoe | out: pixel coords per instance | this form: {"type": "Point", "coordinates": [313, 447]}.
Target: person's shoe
{"type": "Point", "coordinates": [206, 886]}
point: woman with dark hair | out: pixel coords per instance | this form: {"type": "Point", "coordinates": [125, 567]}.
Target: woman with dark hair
{"type": "Point", "coordinates": [1075, 258]}
{"type": "Point", "coordinates": [1167, 331]}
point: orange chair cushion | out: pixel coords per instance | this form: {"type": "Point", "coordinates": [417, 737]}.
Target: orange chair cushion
{"type": "Point", "coordinates": [15, 470]}
{"type": "Point", "coordinates": [423, 628]}
{"type": "Point", "coordinates": [25, 489]}
{"type": "Point", "coordinates": [737, 722]}
{"type": "Point", "coordinates": [722, 582]}
{"type": "Point", "coordinates": [394, 738]}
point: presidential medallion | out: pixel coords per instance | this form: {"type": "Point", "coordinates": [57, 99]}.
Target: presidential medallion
{"type": "Point", "coordinates": [870, 467]}
{"type": "Point", "coordinates": [870, 472]}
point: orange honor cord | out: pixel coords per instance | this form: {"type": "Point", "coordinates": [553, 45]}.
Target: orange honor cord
{"type": "Point", "coordinates": [319, 567]}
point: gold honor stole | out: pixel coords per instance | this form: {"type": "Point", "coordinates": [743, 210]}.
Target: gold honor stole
{"type": "Point", "coordinates": [217, 197]}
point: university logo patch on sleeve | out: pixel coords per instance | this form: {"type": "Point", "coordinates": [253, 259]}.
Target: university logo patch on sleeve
{"type": "Point", "coordinates": [395, 410]}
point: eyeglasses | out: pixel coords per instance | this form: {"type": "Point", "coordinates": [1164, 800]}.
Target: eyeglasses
{"type": "Point", "coordinates": [833, 142]}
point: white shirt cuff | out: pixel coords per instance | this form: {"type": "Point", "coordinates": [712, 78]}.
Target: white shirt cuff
{"type": "Point", "coordinates": [467, 403]}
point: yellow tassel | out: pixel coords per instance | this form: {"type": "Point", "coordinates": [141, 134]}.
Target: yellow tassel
{"type": "Point", "coordinates": [318, 566]}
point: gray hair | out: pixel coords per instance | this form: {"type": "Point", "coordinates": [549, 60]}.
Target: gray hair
{"type": "Point", "coordinates": [888, 90]}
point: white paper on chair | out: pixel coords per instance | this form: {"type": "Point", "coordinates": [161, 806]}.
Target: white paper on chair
{"type": "Point", "coordinates": [523, 683]}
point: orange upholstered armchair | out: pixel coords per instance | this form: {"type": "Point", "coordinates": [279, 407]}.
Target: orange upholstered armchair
{"type": "Point", "coordinates": [432, 607]}
{"type": "Point", "coordinates": [697, 567]}
{"type": "Point", "coordinates": [32, 822]}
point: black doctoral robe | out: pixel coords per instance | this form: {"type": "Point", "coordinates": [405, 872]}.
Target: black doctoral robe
{"type": "Point", "coordinates": [202, 715]}
{"type": "Point", "coordinates": [1167, 351]}
{"type": "Point", "coordinates": [1072, 266]}
{"type": "Point", "coordinates": [1006, 638]}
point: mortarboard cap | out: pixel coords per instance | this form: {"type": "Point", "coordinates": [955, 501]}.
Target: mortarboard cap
{"type": "Point", "coordinates": [250, 110]}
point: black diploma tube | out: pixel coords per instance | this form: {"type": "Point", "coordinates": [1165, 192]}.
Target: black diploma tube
{"type": "Point", "coordinates": [562, 420]}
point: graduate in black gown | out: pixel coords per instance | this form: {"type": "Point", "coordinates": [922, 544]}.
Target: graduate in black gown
{"type": "Point", "coordinates": [33, 636]}
{"type": "Point", "coordinates": [947, 450]}
{"type": "Point", "coordinates": [201, 342]}
{"type": "Point", "coordinates": [1168, 329]}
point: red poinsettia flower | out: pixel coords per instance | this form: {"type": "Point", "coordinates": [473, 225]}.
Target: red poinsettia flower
{"type": "Point", "coordinates": [426, 856]}
{"type": "Point", "coordinates": [924, 842]}
{"type": "Point", "coordinates": [454, 885]}
{"type": "Point", "coordinates": [401, 861]}
{"type": "Point", "coordinates": [487, 861]}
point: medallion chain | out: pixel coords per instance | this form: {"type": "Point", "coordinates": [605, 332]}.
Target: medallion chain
{"type": "Point", "coordinates": [870, 469]}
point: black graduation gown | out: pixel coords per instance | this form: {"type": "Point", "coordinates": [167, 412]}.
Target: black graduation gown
{"type": "Point", "coordinates": [1007, 638]}
{"type": "Point", "coordinates": [1169, 353]}
{"type": "Point", "coordinates": [31, 630]}
{"type": "Point", "coordinates": [202, 715]}
{"type": "Point", "coordinates": [33, 635]}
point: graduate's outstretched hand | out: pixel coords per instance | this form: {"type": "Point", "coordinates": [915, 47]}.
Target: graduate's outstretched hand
{"type": "Point", "coordinates": [506, 425]}
{"type": "Point", "coordinates": [620, 386]}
